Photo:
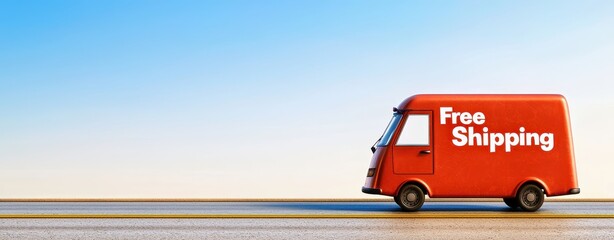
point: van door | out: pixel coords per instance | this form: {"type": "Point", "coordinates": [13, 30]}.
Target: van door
{"type": "Point", "coordinates": [413, 150]}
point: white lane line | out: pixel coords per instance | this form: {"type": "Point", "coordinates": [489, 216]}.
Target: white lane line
{"type": "Point", "coordinates": [230, 216]}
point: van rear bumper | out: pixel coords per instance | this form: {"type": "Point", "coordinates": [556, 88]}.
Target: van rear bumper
{"type": "Point", "coordinates": [574, 191]}
{"type": "Point", "coordinates": [371, 190]}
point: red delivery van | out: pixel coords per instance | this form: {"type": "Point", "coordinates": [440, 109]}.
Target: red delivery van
{"type": "Point", "coordinates": [516, 147]}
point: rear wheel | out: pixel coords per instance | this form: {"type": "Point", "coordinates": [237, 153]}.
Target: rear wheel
{"type": "Point", "coordinates": [410, 198]}
{"type": "Point", "coordinates": [511, 202]}
{"type": "Point", "coordinates": [530, 197]}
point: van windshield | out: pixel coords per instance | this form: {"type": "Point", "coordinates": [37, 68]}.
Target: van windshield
{"type": "Point", "coordinates": [396, 118]}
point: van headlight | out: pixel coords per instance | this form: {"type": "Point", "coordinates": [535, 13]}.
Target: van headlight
{"type": "Point", "coordinates": [371, 172]}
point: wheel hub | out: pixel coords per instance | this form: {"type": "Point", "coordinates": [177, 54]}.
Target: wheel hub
{"type": "Point", "coordinates": [531, 197]}
{"type": "Point", "coordinates": [412, 197]}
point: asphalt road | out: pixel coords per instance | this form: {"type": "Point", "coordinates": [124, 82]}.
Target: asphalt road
{"type": "Point", "coordinates": [302, 220]}
{"type": "Point", "coordinates": [295, 208]}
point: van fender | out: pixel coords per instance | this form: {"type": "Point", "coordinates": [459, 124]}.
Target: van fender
{"type": "Point", "coordinates": [425, 187]}
{"type": "Point", "coordinates": [532, 180]}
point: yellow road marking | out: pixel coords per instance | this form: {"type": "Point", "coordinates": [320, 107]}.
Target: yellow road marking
{"type": "Point", "coordinates": [232, 216]}
{"type": "Point", "coordinates": [282, 200]}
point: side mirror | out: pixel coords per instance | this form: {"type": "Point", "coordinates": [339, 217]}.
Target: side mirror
{"type": "Point", "coordinates": [373, 147]}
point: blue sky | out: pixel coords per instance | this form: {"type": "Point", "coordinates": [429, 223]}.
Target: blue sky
{"type": "Point", "coordinates": [271, 98]}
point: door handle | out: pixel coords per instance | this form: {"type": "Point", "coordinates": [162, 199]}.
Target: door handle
{"type": "Point", "coordinates": [425, 152]}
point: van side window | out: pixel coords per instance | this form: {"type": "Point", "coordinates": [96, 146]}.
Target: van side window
{"type": "Point", "coordinates": [415, 131]}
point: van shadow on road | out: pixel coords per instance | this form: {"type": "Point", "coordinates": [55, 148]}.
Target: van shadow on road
{"type": "Point", "coordinates": [384, 207]}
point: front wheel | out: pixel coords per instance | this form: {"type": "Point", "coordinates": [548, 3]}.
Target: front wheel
{"type": "Point", "coordinates": [410, 198]}
{"type": "Point", "coordinates": [530, 197]}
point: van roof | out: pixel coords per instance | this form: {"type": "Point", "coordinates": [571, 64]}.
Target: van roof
{"type": "Point", "coordinates": [421, 99]}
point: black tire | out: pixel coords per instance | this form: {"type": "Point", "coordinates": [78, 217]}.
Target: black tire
{"type": "Point", "coordinates": [511, 202]}
{"type": "Point", "coordinates": [530, 197]}
{"type": "Point", "coordinates": [410, 198]}
{"type": "Point", "coordinates": [396, 200]}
